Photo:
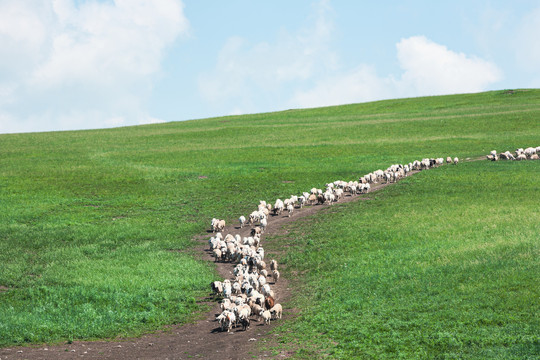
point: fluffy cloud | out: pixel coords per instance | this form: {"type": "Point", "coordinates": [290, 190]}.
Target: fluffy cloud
{"type": "Point", "coordinates": [432, 69]}
{"type": "Point", "coordinates": [359, 85]}
{"type": "Point", "coordinates": [302, 69]}
{"type": "Point", "coordinates": [427, 68]}
{"type": "Point", "coordinates": [69, 64]}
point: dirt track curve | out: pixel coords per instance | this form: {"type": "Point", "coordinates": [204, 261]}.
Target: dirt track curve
{"type": "Point", "coordinates": [202, 339]}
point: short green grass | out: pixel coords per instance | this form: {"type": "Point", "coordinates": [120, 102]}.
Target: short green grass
{"type": "Point", "coordinates": [443, 265]}
{"type": "Point", "coordinates": [97, 227]}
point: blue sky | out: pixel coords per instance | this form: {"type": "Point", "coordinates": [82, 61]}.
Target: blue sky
{"type": "Point", "coordinates": [85, 64]}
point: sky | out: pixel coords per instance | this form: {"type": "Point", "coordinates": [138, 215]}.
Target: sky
{"type": "Point", "coordinates": [88, 64]}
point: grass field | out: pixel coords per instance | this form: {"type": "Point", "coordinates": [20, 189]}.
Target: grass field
{"type": "Point", "coordinates": [96, 226]}
{"type": "Point", "coordinates": [442, 265]}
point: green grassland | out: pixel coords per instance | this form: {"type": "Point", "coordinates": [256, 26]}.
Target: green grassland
{"type": "Point", "coordinates": [96, 227]}
{"type": "Point", "coordinates": [442, 265]}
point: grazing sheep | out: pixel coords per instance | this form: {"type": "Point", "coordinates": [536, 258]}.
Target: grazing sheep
{"type": "Point", "coordinates": [275, 275]}
{"type": "Point", "coordinates": [456, 160]}
{"type": "Point", "coordinates": [265, 314]}
{"type": "Point", "coordinates": [226, 304]}
{"type": "Point", "coordinates": [217, 288]}
{"type": "Point", "coordinates": [226, 320]}
{"type": "Point", "coordinates": [227, 289]}
{"type": "Point", "coordinates": [279, 206]}
{"type": "Point", "coordinates": [529, 151]}
{"type": "Point", "coordinates": [242, 220]}
{"type": "Point", "coordinates": [448, 160]}
{"type": "Point", "coordinates": [256, 310]}
{"type": "Point", "coordinates": [276, 311]}
{"type": "Point", "coordinates": [312, 199]}
{"type": "Point", "coordinates": [273, 265]}
{"type": "Point", "coordinates": [330, 197]}
{"type": "Point", "coordinates": [366, 188]}
{"type": "Point", "coordinates": [521, 157]}
{"type": "Point", "coordinates": [264, 223]}
{"type": "Point", "coordinates": [216, 253]}
{"type": "Point", "coordinates": [269, 302]}
{"type": "Point", "coordinates": [237, 289]}
{"type": "Point", "coordinates": [256, 231]}
{"type": "Point", "coordinates": [290, 209]}
{"type": "Point", "coordinates": [221, 225]}
{"type": "Point", "coordinates": [534, 157]}
{"type": "Point", "coordinates": [253, 217]}
{"type": "Point", "coordinates": [244, 321]}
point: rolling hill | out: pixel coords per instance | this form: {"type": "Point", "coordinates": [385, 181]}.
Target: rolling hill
{"type": "Point", "coordinates": [96, 226]}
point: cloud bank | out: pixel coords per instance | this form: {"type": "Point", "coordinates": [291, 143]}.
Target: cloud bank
{"type": "Point", "coordinates": [66, 65]}
{"type": "Point", "coordinates": [303, 70]}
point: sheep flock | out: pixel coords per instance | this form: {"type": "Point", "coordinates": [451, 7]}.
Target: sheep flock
{"type": "Point", "coordinates": [530, 153]}
{"type": "Point", "coordinates": [247, 295]}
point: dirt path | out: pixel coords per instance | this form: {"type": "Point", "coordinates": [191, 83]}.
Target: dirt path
{"type": "Point", "coordinates": [199, 340]}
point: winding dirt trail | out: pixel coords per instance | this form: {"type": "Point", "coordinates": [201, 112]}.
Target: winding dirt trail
{"type": "Point", "coordinates": [202, 339]}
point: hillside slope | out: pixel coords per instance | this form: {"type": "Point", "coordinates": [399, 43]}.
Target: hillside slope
{"type": "Point", "coordinates": [96, 226]}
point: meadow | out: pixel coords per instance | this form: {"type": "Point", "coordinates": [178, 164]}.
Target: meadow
{"type": "Point", "coordinates": [442, 265]}
{"type": "Point", "coordinates": [97, 227]}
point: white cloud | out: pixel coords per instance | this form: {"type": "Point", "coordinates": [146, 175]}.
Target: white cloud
{"type": "Point", "coordinates": [303, 70]}
{"type": "Point", "coordinates": [359, 85]}
{"type": "Point", "coordinates": [64, 59]}
{"type": "Point", "coordinates": [432, 69]}
{"type": "Point", "coordinates": [246, 74]}
{"type": "Point", "coordinates": [428, 69]}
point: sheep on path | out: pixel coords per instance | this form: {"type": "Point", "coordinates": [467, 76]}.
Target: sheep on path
{"type": "Point", "coordinates": [276, 311]}
{"type": "Point", "coordinates": [242, 220]}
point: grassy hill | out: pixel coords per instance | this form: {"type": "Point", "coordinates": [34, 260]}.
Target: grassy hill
{"type": "Point", "coordinates": [96, 226]}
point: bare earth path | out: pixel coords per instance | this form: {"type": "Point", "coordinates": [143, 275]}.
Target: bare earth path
{"type": "Point", "coordinates": [198, 340]}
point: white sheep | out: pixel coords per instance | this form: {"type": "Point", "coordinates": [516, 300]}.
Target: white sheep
{"type": "Point", "coordinates": [266, 315]}
{"type": "Point", "coordinates": [275, 275]}
{"type": "Point", "coordinates": [216, 253]}
{"type": "Point", "coordinates": [279, 206]}
{"type": "Point", "coordinates": [456, 160]}
{"type": "Point", "coordinates": [264, 224]}
{"type": "Point", "coordinates": [301, 201]}
{"type": "Point", "coordinates": [290, 209]}
{"type": "Point", "coordinates": [217, 287]}
{"type": "Point", "coordinates": [330, 197]}
{"type": "Point", "coordinates": [256, 310]}
{"type": "Point", "coordinates": [226, 304]}
{"type": "Point", "coordinates": [226, 319]}
{"type": "Point", "coordinates": [242, 220]}
{"type": "Point", "coordinates": [529, 151]}
{"type": "Point", "coordinates": [227, 288]}
{"type": "Point", "coordinates": [276, 311]}
{"type": "Point", "coordinates": [253, 217]}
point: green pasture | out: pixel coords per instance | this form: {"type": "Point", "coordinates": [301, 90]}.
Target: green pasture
{"type": "Point", "coordinates": [97, 227]}
{"type": "Point", "coordinates": [443, 265]}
